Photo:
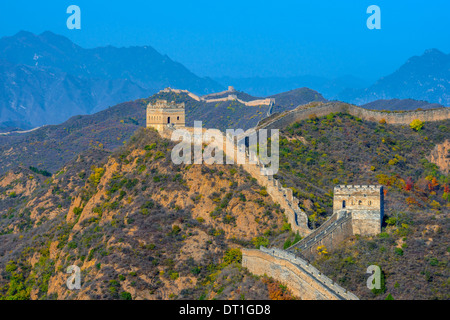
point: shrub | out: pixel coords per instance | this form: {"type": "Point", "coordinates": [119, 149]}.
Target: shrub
{"type": "Point", "coordinates": [150, 147]}
{"type": "Point", "coordinates": [95, 177]}
{"type": "Point", "coordinates": [233, 255]}
{"type": "Point", "coordinates": [297, 238]}
{"type": "Point", "coordinates": [287, 244]}
{"type": "Point", "coordinates": [433, 262]}
{"type": "Point", "coordinates": [278, 291]}
{"type": "Point", "coordinates": [124, 295]}
{"type": "Point", "coordinates": [416, 125]}
{"type": "Point", "coordinates": [72, 245]}
{"type": "Point", "coordinates": [11, 267]}
{"type": "Point", "coordinates": [260, 241]}
{"type": "Point", "coordinates": [41, 172]}
{"type": "Point", "coordinates": [159, 155]}
{"type": "Point", "coordinates": [389, 297]}
{"type": "Point", "coordinates": [322, 250]}
{"type": "Point", "coordinates": [196, 270]}
{"type": "Point", "coordinates": [176, 230]}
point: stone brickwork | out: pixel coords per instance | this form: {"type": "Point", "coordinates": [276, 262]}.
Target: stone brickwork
{"type": "Point", "coordinates": [190, 94]}
{"type": "Point", "coordinates": [298, 275]}
{"type": "Point", "coordinates": [163, 113]}
{"type": "Point", "coordinates": [366, 204]}
{"type": "Point", "coordinates": [356, 210]}
{"type": "Point", "coordinates": [284, 197]}
{"type": "Point", "coordinates": [335, 230]}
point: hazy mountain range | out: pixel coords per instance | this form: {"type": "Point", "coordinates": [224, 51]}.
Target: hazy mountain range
{"type": "Point", "coordinates": [400, 104]}
{"type": "Point", "coordinates": [425, 77]}
{"type": "Point", "coordinates": [45, 79]}
{"type": "Point", "coordinates": [269, 86]}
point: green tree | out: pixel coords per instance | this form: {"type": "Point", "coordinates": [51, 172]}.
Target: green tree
{"type": "Point", "coordinates": [389, 297]}
{"type": "Point", "coordinates": [231, 256]}
{"type": "Point", "coordinates": [416, 125]}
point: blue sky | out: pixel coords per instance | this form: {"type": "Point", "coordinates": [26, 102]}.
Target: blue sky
{"type": "Point", "coordinates": [251, 38]}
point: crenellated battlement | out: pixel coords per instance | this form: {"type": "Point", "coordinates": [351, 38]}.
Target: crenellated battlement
{"type": "Point", "coordinates": [357, 188]}
{"type": "Point", "coordinates": [164, 104]}
{"type": "Point", "coordinates": [231, 96]}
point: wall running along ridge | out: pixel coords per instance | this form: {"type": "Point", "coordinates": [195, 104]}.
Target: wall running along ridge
{"type": "Point", "coordinates": [284, 119]}
{"type": "Point", "coordinates": [287, 266]}
{"type": "Point", "coordinates": [230, 97]}
{"type": "Point", "coordinates": [298, 275]}
{"type": "Point", "coordinates": [283, 196]}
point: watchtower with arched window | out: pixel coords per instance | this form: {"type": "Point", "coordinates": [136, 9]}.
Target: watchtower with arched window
{"type": "Point", "coordinates": [162, 114]}
{"type": "Point", "coordinates": [366, 205]}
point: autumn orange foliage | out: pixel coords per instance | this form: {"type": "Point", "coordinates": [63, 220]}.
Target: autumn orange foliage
{"type": "Point", "coordinates": [277, 291]}
{"type": "Point", "coordinates": [411, 200]}
{"type": "Point", "coordinates": [409, 184]}
{"type": "Point", "coordinates": [433, 184]}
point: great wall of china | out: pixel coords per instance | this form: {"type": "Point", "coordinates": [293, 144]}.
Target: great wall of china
{"type": "Point", "coordinates": [283, 119]}
{"type": "Point", "coordinates": [291, 266]}
{"type": "Point", "coordinates": [302, 278]}
{"type": "Point", "coordinates": [230, 97]}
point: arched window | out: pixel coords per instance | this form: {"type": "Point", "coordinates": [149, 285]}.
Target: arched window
{"type": "Point", "coordinates": [359, 202]}
{"type": "Point", "coordinates": [343, 204]}
{"type": "Point", "coordinates": [369, 203]}
{"type": "Point", "coordinates": [178, 118]}
{"type": "Point", "coordinates": [168, 119]}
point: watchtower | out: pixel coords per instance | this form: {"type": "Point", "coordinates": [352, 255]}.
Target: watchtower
{"type": "Point", "coordinates": [162, 114]}
{"type": "Point", "coordinates": [366, 205]}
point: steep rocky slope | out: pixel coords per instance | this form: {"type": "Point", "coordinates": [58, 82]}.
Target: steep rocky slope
{"type": "Point", "coordinates": [138, 227]}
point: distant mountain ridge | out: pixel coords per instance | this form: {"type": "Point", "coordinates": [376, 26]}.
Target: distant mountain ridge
{"type": "Point", "coordinates": [270, 86]}
{"type": "Point", "coordinates": [46, 78]}
{"type": "Point", "coordinates": [400, 105]}
{"type": "Point", "coordinates": [291, 99]}
{"type": "Point", "coordinates": [52, 146]}
{"type": "Point", "coordinates": [425, 77]}
{"type": "Point", "coordinates": [421, 78]}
